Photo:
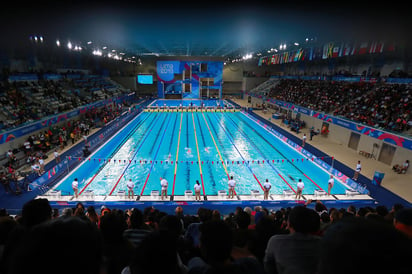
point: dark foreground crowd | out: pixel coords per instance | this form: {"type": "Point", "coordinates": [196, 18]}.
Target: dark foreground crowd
{"type": "Point", "coordinates": [307, 238]}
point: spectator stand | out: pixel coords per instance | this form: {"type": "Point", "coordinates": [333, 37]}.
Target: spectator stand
{"type": "Point", "coordinates": [33, 186]}
{"type": "Point", "coordinates": [378, 193]}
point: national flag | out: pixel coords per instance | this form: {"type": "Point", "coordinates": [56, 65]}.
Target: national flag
{"type": "Point", "coordinates": [363, 48]}
{"type": "Point", "coordinates": [276, 59]}
{"type": "Point", "coordinates": [310, 54]}
{"type": "Point", "coordinates": [372, 48]}
{"type": "Point", "coordinates": [353, 50]}
{"type": "Point", "coordinates": [325, 51]}
{"type": "Point", "coordinates": [376, 47]}
{"type": "Point", "coordinates": [317, 53]}
{"type": "Point", "coordinates": [298, 55]}
{"type": "Point", "coordinates": [330, 50]}
{"type": "Point", "coordinates": [285, 57]}
{"type": "Point", "coordinates": [347, 49]}
{"type": "Point", "coordinates": [379, 47]}
{"type": "Point", "coordinates": [335, 52]}
{"type": "Point", "coordinates": [291, 56]}
{"type": "Point", "coordinates": [341, 50]}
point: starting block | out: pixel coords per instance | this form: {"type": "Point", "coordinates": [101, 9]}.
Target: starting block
{"type": "Point", "coordinates": [154, 194]}
{"type": "Point", "coordinates": [89, 194]}
{"type": "Point", "coordinates": [188, 193]}
{"type": "Point", "coordinates": [288, 193]}
{"type": "Point", "coordinates": [55, 194]}
{"type": "Point", "coordinates": [320, 193]}
{"type": "Point", "coordinates": [254, 193]}
{"type": "Point", "coordinates": [222, 193]}
{"type": "Point", "coordinates": [351, 192]}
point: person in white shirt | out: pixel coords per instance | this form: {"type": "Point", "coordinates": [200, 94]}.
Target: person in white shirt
{"type": "Point", "coordinates": [75, 186]}
{"type": "Point", "coordinates": [266, 189]}
{"type": "Point", "coordinates": [41, 164]}
{"type": "Point", "coordinates": [357, 171]}
{"type": "Point", "coordinates": [299, 191]}
{"type": "Point", "coordinates": [197, 188]}
{"type": "Point", "coordinates": [130, 188]}
{"type": "Point", "coordinates": [164, 184]}
{"type": "Point", "coordinates": [304, 140]}
{"type": "Point", "coordinates": [330, 184]}
{"type": "Point", "coordinates": [27, 147]}
{"type": "Point", "coordinates": [36, 168]}
{"type": "Point", "coordinates": [56, 156]}
{"type": "Point", "coordinates": [10, 155]}
{"type": "Point", "coordinates": [232, 184]}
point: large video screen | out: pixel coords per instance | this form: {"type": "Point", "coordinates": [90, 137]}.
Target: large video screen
{"type": "Point", "coordinates": [185, 77]}
{"type": "Point", "coordinates": [145, 79]}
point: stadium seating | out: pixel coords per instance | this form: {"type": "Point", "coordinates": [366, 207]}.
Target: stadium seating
{"type": "Point", "coordinates": [382, 105]}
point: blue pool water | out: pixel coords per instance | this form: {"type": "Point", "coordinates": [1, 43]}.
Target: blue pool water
{"type": "Point", "coordinates": [187, 146]}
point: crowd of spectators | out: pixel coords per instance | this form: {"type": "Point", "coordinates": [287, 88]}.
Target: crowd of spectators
{"type": "Point", "coordinates": [381, 105]}
{"type": "Point", "coordinates": [26, 101]}
{"type": "Point", "coordinates": [308, 238]}
{"type": "Point", "coordinates": [387, 106]}
{"type": "Point", "coordinates": [30, 157]}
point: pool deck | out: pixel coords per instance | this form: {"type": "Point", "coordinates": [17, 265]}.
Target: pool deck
{"type": "Point", "coordinates": [400, 184]}
{"type": "Point", "coordinates": [218, 202]}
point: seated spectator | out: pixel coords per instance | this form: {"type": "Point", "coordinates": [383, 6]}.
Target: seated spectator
{"type": "Point", "coordinates": [75, 234]}
{"type": "Point", "coordinates": [116, 249]}
{"type": "Point", "coordinates": [36, 168]}
{"type": "Point", "coordinates": [137, 229]}
{"type": "Point", "coordinates": [11, 157]}
{"type": "Point", "coordinates": [298, 251]}
{"type": "Point", "coordinates": [12, 173]}
{"type": "Point", "coordinates": [401, 168]}
{"type": "Point", "coordinates": [216, 246]}
{"type": "Point", "coordinates": [403, 221]}
{"type": "Point", "coordinates": [359, 245]}
{"type": "Point", "coordinates": [5, 182]}
{"type": "Point", "coordinates": [154, 247]}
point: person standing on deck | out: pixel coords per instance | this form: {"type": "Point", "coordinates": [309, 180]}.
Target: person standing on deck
{"type": "Point", "coordinates": [164, 184]}
{"type": "Point", "coordinates": [197, 188]}
{"type": "Point", "coordinates": [330, 184]}
{"type": "Point", "coordinates": [75, 186]}
{"type": "Point", "coordinates": [130, 189]}
{"type": "Point", "coordinates": [232, 185]}
{"type": "Point", "coordinates": [299, 191]}
{"type": "Point", "coordinates": [357, 171]}
{"type": "Point", "coordinates": [266, 189]}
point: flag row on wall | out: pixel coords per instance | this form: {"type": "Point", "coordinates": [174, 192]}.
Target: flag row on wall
{"type": "Point", "coordinates": [326, 51]}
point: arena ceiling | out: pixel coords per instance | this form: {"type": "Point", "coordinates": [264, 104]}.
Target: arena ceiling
{"type": "Point", "coordinates": [229, 29]}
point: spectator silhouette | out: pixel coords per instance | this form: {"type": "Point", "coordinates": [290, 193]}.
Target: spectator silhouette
{"type": "Point", "coordinates": [156, 254]}
{"type": "Point", "coordinates": [216, 247]}
{"type": "Point", "coordinates": [373, 247]}
{"type": "Point", "coordinates": [116, 249]}
{"type": "Point", "coordinates": [137, 230]}
{"type": "Point", "coordinates": [298, 251]}
{"type": "Point", "coordinates": [59, 240]}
